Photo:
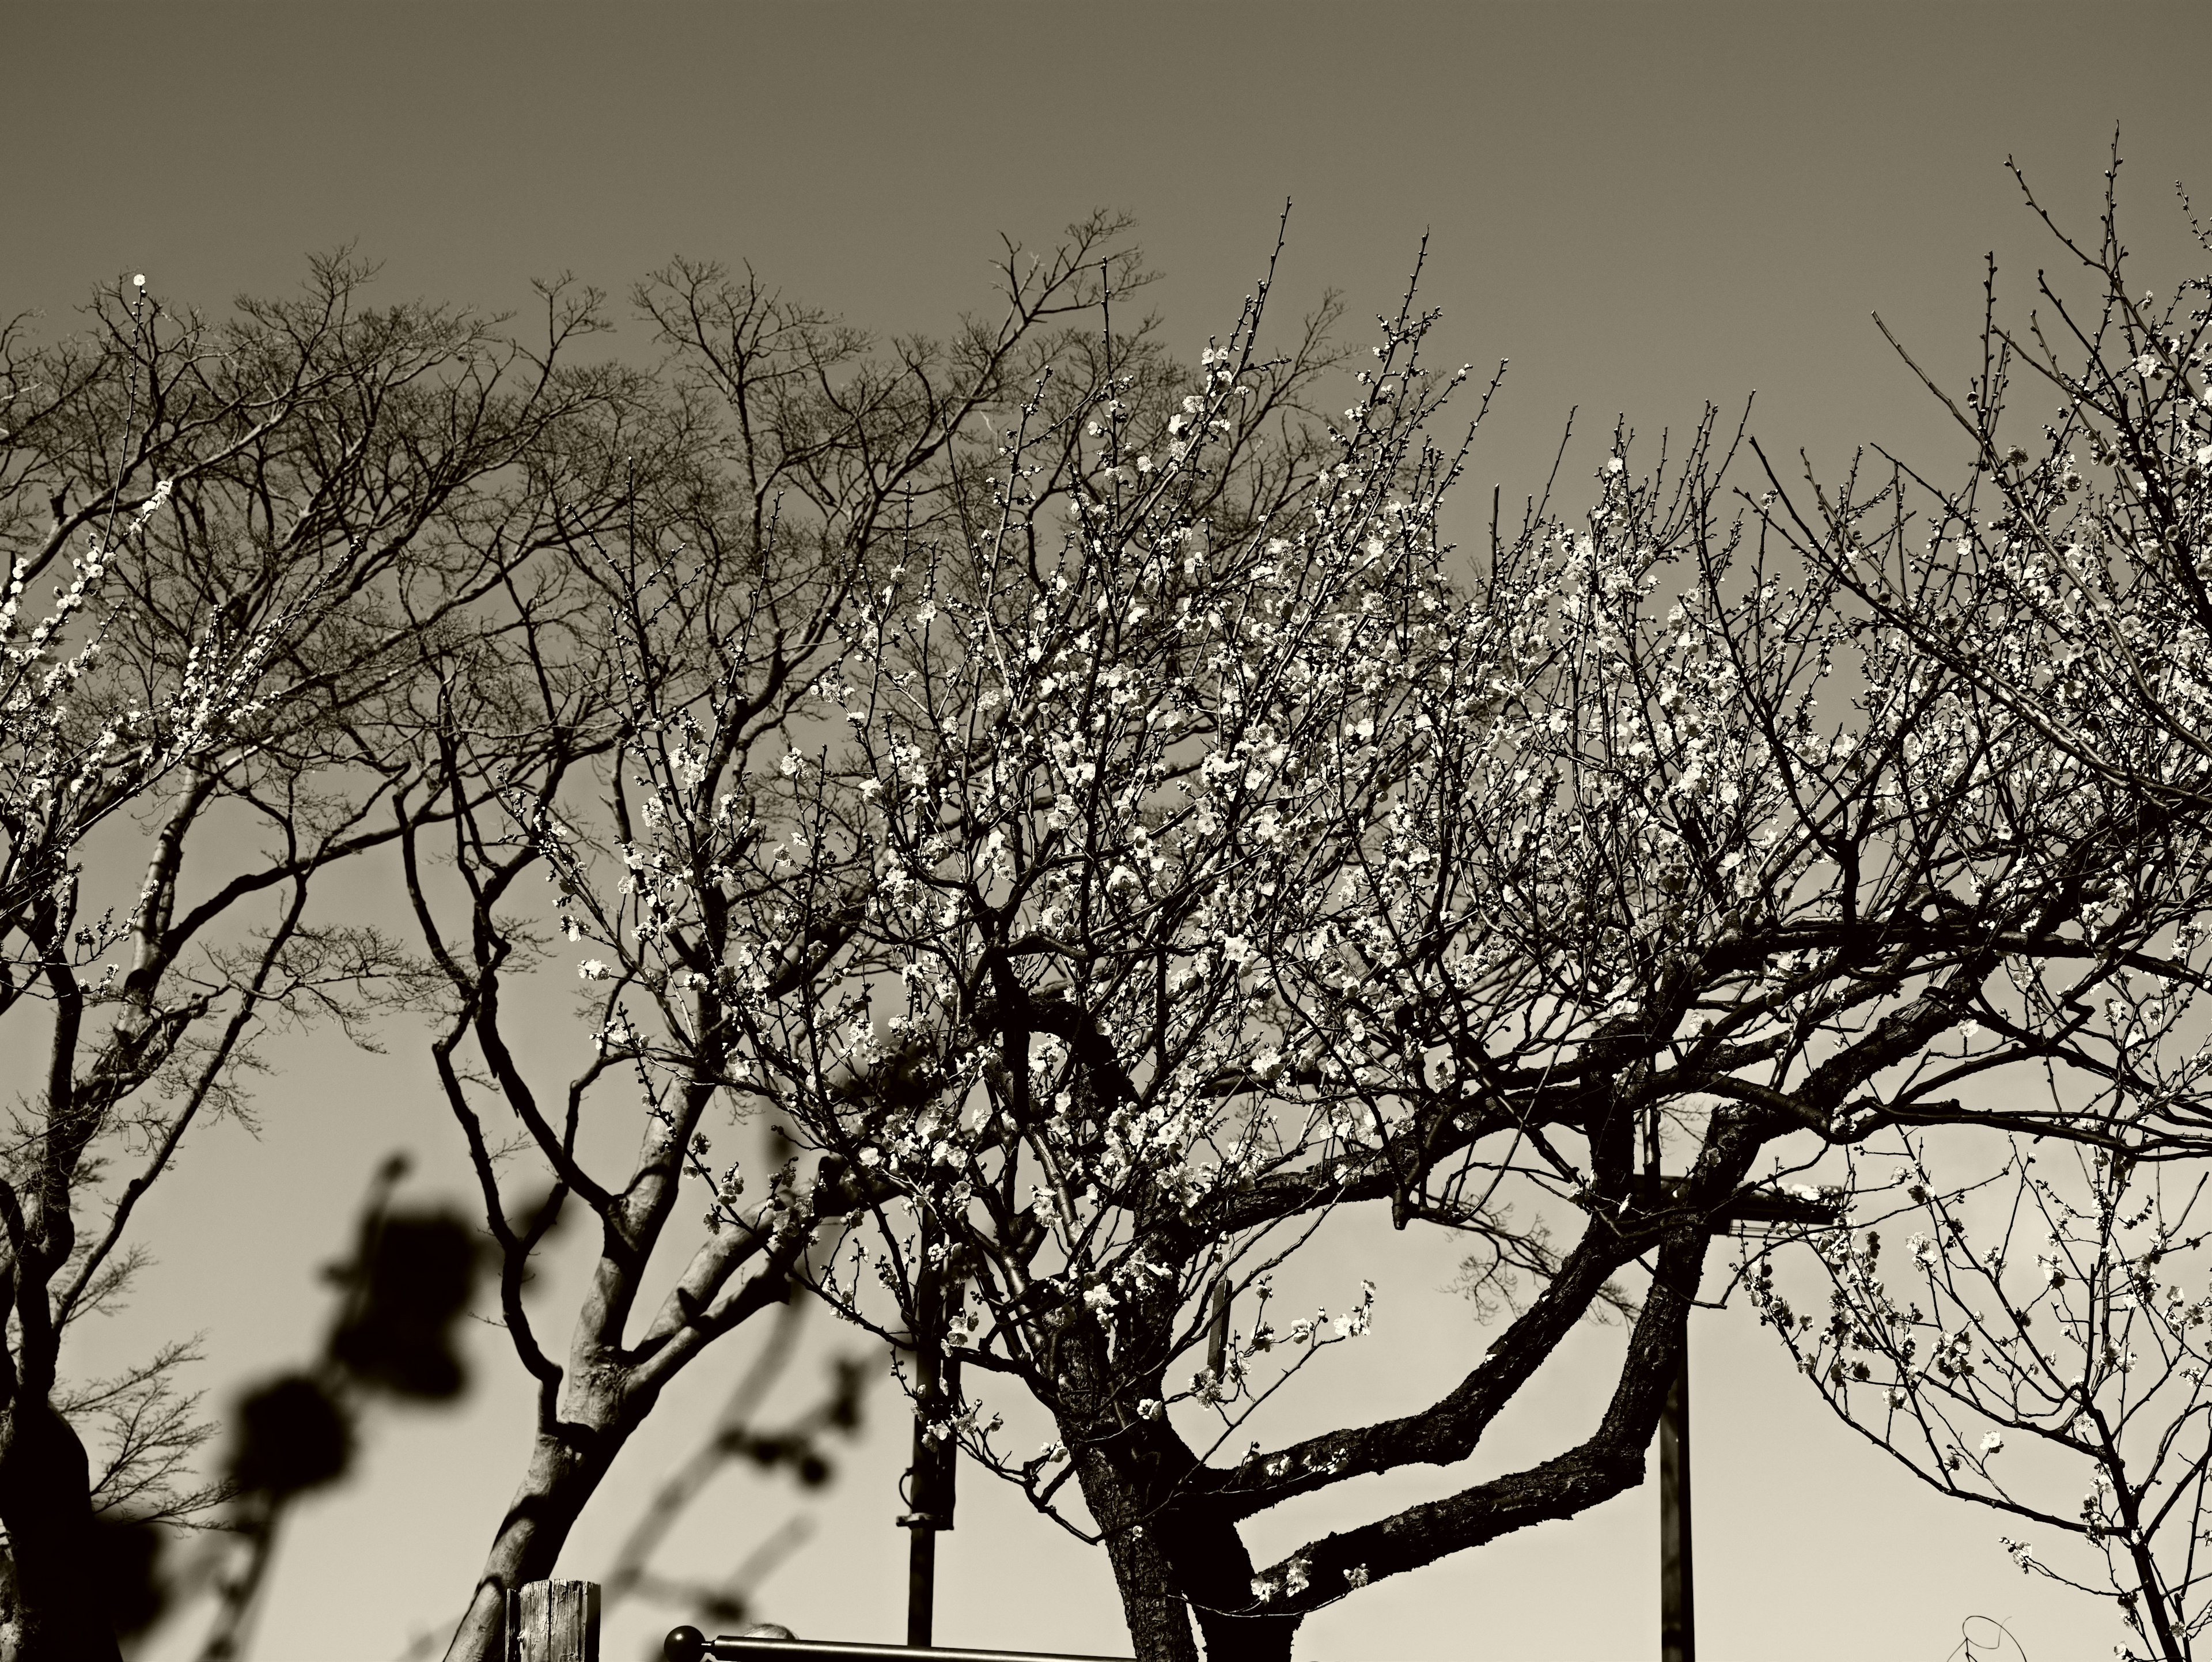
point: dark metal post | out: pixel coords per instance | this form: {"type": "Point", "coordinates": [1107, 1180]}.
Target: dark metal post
{"type": "Point", "coordinates": [1678, 1640]}
{"type": "Point", "coordinates": [689, 1645]}
{"type": "Point", "coordinates": [929, 1491]}
{"type": "Point", "coordinates": [1678, 1625]}
{"type": "Point", "coordinates": [921, 1584]}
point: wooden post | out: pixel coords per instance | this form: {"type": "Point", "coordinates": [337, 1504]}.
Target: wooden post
{"type": "Point", "coordinates": [553, 1622]}
{"type": "Point", "coordinates": [1217, 1331]}
{"type": "Point", "coordinates": [1678, 1640]}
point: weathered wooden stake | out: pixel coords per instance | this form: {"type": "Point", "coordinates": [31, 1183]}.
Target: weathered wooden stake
{"type": "Point", "coordinates": [1678, 1640]}
{"type": "Point", "coordinates": [553, 1622]}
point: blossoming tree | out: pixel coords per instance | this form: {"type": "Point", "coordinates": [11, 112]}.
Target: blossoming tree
{"type": "Point", "coordinates": [2041, 1358]}
{"type": "Point", "coordinates": [2063, 586]}
{"type": "Point", "coordinates": [1226, 872]}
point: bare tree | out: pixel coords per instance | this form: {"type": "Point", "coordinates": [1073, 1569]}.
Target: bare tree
{"type": "Point", "coordinates": [313, 488]}
{"type": "Point", "coordinates": [739, 1438]}
{"type": "Point", "coordinates": [736, 1437]}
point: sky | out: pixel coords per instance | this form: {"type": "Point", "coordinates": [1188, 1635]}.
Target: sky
{"type": "Point", "coordinates": [1646, 207]}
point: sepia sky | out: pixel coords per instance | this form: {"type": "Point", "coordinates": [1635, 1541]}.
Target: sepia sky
{"type": "Point", "coordinates": [1647, 208]}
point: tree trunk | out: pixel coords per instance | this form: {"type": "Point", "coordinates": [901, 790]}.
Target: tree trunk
{"type": "Point", "coordinates": [564, 1472]}
{"type": "Point", "coordinates": [1171, 1566]}
{"type": "Point", "coordinates": [46, 1502]}
{"type": "Point", "coordinates": [1172, 1560]}
{"type": "Point", "coordinates": [1214, 1571]}
{"type": "Point", "coordinates": [1159, 1623]}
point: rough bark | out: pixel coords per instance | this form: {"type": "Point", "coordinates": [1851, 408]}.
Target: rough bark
{"type": "Point", "coordinates": [1176, 1555]}
{"type": "Point", "coordinates": [1159, 1623]}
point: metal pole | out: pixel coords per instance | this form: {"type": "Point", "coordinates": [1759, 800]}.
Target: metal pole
{"type": "Point", "coordinates": [689, 1645]}
{"type": "Point", "coordinates": [929, 1492]}
{"type": "Point", "coordinates": [1678, 1640]}
{"type": "Point", "coordinates": [920, 1579]}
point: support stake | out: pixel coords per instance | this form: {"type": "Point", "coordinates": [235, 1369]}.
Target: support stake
{"type": "Point", "coordinates": [930, 1481]}
{"type": "Point", "coordinates": [1678, 1640]}
{"type": "Point", "coordinates": [553, 1622]}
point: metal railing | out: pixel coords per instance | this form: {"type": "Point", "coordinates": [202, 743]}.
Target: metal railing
{"type": "Point", "coordinates": [689, 1645]}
